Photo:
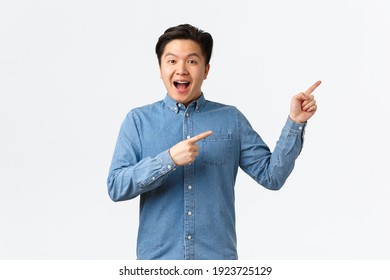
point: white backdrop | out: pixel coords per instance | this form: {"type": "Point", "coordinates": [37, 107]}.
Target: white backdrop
{"type": "Point", "coordinates": [71, 70]}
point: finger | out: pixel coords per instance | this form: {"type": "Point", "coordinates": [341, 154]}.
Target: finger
{"type": "Point", "coordinates": [307, 100]}
{"type": "Point", "coordinates": [200, 136]}
{"type": "Point", "coordinates": [312, 108]}
{"type": "Point", "coordinates": [312, 88]}
{"type": "Point", "coordinates": [194, 148]}
{"type": "Point", "coordinates": [192, 157]}
{"type": "Point", "coordinates": [310, 104]}
{"type": "Point", "coordinates": [302, 97]}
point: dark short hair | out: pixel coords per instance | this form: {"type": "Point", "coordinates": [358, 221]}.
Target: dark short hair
{"type": "Point", "coordinates": [189, 32]}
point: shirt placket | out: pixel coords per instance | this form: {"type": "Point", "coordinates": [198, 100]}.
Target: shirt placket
{"type": "Point", "coordinates": [189, 196]}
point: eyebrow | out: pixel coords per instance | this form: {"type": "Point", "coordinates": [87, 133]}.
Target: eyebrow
{"type": "Point", "coordinates": [191, 54]}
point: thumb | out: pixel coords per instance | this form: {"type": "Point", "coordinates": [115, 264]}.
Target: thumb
{"type": "Point", "coordinates": [301, 97]}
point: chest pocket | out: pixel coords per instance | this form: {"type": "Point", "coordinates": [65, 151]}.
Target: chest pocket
{"type": "Point", "coordinates": [217, 148]}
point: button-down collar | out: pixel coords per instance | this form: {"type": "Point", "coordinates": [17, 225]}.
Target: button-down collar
{"type": "Point", "coordinates": [176, 107]}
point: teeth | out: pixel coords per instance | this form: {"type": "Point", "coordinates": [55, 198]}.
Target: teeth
{"type": "Point", "coordinates": [182, 82]}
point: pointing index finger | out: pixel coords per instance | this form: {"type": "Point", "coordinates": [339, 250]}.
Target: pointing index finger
{"type": "Point", "coordinates": [312, 88]}
{"type": "Point", "coordinates": [200, 136]}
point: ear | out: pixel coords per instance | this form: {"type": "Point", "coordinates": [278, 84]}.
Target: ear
{"type": "Point", "coordinates": [206, 71]}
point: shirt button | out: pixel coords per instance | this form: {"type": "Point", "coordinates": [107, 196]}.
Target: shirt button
{"type": "Point", "coordinates": [187, 115]}
{"type": "Point", "coordinates": [189, 213]}
{"type": "Point", "coordinates": [300, 128]}
{"type": "Point", "coordinates": [153, 178]}
{"type": "Point", "coordinates": [189, 237]}
{"type": "Point", "coordinates": [188, 137]}
{"type": "Point", "coordinates": [169, 166]}
{"type": "Point", "coordinates": [189, 187]}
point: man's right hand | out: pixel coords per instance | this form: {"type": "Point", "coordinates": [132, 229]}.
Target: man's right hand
{"type": "Point", "coordinates": [185, 152]}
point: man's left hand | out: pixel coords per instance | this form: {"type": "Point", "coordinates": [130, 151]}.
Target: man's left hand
{"type": "Point", "coordinates": [303, 105]}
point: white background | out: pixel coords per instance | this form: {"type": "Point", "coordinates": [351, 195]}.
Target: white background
{"type": "Point", "coordinates": [71, 70]}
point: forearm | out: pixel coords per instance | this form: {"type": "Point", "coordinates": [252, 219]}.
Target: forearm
{"type": "Point", "coordinates": [271, 170]}
{"type": "Point", "coordinates": [282, 160]}
{"type": "Point", "coordinates": [126, 181]}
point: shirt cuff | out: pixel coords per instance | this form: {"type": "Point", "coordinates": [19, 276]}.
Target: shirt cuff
{"type": "Point", "coordinates": [167, 164]}
{"type": "Point", "coordinates": [295, 127]}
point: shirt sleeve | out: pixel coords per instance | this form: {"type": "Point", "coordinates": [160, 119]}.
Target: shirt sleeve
{"type": "Point", "coordinates": [270, 169]}
{"type": "Point", "coordinates": [130, 174]}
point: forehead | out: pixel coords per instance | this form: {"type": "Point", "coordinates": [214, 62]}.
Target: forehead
{"type": "Point", "coordinates": [183, 47]}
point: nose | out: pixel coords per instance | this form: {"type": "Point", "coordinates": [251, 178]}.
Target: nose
{"type": "Point", "coordinates": [181, 69]}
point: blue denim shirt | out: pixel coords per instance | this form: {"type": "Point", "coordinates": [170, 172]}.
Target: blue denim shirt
{"type": "Point", "coordinates": [187, 212]}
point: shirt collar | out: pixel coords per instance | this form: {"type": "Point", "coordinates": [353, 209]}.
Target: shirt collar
{"type": "Point", "coordinates": [175, 107]}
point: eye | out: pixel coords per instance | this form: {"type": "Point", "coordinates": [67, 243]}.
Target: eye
{"type": "Point", "coordinates": [191, 61]}
{"type": "Point", "coordinates": [171, 61]}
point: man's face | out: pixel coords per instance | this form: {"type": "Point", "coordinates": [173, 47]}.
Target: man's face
{"type": "Point", "coordinates": [183, 70]}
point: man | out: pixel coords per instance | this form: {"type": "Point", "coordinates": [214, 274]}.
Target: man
{"type": "Point", "coordinates": [181, 155]}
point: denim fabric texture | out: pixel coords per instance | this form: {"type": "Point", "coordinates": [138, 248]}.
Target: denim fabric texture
{"type": "Point", "coordinates": [188, 212]}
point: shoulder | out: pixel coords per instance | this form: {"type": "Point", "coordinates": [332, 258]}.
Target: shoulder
{"type": "Point", "coordinates": [227, 112]}
{"type": "Point", "coordinates": [147, 107]}
{"type": "Point", "coordinates": [144, 109]}
{"type": "Point", "coordinates": [212, 105]}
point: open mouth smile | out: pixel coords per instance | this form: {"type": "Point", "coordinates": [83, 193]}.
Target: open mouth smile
{"type": "Point", "coordinates": [181, 86]}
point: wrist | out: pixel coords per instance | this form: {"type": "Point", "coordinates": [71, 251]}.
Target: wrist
{"type": "Point", "coordinates": [296, 120]}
